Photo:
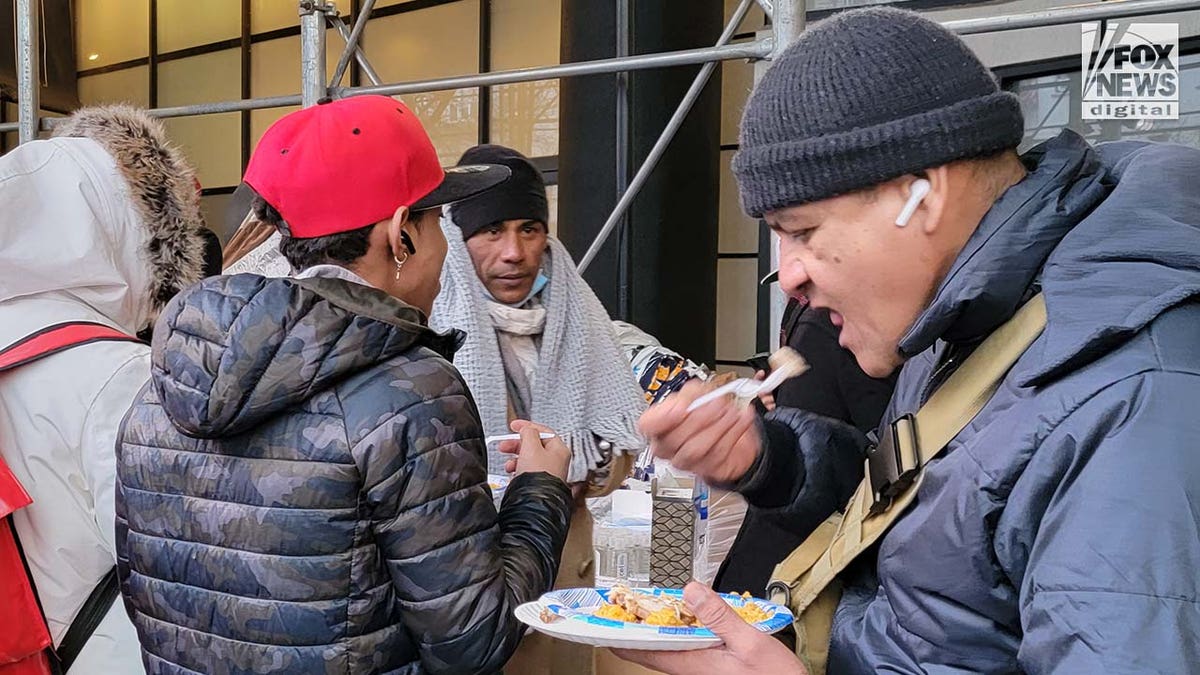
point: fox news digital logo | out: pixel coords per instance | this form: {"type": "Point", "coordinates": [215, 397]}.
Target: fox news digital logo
{"type": "Point", "coordinates": [1130, 71]}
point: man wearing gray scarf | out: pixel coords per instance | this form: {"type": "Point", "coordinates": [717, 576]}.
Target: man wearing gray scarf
{"type": "Point", "coordinates": [539, 346]}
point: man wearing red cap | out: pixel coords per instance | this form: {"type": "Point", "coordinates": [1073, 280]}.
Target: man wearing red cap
{"type": "Point", "coordinates": [302, 487]}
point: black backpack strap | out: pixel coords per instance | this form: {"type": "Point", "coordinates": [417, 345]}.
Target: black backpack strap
{"type": "Point", "coordinates": [88, 619]}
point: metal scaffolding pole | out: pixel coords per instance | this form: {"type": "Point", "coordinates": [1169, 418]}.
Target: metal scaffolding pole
{"type": "Point", "coordinates": [787, 24]}
{"type": "Point", "coordinates": [352, 43]}
{"type": "Point", "coordinates": [49, 123]}
{"type": "Point", "coordinates": [359, 55]}
{"type": "Point", "coordinates": [687, 57]}
{"type": "Point", "coordinates": [225, 106]}
{"type": "Point", "coordinates": [1116, 9]}
{"type": "Point", "coordinates": [312, 51]}
{"type": "Point", "coordinates": [788, 21]}
{"type": "Point", "coordinates": [29, 81]}
{"type": "Point", "coordinates": [664, 139]}
{"type": "Point", "coordinates": [760, 49]}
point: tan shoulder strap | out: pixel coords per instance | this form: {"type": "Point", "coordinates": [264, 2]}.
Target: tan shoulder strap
{"type": "Point", "coordinates": [912, 441]}
{"type": "Point", "coordinates": [894, 469]}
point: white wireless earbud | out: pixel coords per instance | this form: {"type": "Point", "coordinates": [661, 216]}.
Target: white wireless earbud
{"type": "Point", "coordinates": [920, 187]}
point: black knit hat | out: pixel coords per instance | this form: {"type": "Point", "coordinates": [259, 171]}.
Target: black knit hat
{"type": "Point", "coordinates": [522, 196]}
{"type": "Point", "coordinates": [864, 97]}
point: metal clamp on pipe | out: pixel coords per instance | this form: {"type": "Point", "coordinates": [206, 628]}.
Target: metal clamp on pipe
{"type": "Point", "coordinates": [317, 7]}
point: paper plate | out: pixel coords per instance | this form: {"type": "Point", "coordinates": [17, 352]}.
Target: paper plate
{"type": "Point", "coordinates": [498, 483]}
{"type": "Point", "coordinates": [577, 605]}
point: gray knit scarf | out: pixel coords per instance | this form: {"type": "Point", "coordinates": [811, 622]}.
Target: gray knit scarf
{"type": "Point", "coordinates": [584, 388]}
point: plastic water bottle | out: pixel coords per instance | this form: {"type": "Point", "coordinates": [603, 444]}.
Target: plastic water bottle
{"type": "Point", "coordinates": [700, 531]}
{"type": "Point", "coordinates": [639, 568]}
{"type": "Point", "coordinates": [622, 554]}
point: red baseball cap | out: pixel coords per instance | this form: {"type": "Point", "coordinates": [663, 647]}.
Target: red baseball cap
{"type": "Point", "coordinates": [346, 164]}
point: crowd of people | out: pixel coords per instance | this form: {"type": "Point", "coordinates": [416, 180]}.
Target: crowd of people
{"type": "Point", "coordinates": [277, 462]}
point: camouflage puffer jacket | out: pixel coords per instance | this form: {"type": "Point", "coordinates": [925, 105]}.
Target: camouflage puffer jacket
{"type": "Point", "coordinates": [302, 490]}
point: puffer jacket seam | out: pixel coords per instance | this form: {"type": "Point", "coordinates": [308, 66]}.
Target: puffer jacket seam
{"type": "Point", "coordinates": [227, 548]}
{"type": "Point", "coordinates": [239, 551]}
{"type": "Point", "coordinates": [308, 391]}
{"type": "Point", "coordinates": [466, 631]}
{"type": "Point", "coordinates": [173, 324]}
{"type": "Point", "coordinates": [447, 544]}
{"type": "Point", "coordinates": [241, 405]}
{"type": "Point", "coordinates": [270, 645]}
{"type": "Point", "coordinates": [431, 500]}
{"type": "Point", "coordinates": [189, 451]}
{"type": "Point", "coordinates": [408, 458]}
{"type": "Point", "coordinates": [437, 599]}
{"type": "Point", "coordinates": [173, 664]}
{"type": "Point", "coordinates": [231, 502]}
{"type": "Point", "coordinates": [196, 390]}
{"type": "Point", "coordinates": [238, 596]}
{"type": "Point", "coordinates": [180, 331]}
{"type": "Point", "coordinates": [1114, 591]}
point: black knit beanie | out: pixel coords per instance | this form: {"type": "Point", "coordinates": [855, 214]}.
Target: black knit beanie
{"type": "Point", "coordinates": [522, 196]}
{"type": "Point", "coordinates": [864, 97]}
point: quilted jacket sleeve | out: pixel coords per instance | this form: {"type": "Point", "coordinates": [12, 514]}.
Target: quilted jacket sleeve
{"type": "Point", "coordinates": [810, 464]}
{"type": "Point", "coordinates": [1104, 530]}
{"type": "Point", "coordinates": [459, 570]}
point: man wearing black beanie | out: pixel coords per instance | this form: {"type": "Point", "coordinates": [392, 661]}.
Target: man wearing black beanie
{"type": "Point", "coordinates": [1034, 492]}
{"type": "Point", "coordinates": [539, 347]}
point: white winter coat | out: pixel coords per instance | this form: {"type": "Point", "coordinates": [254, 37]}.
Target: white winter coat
{"type": "Point", "coordinates": [75, 241]}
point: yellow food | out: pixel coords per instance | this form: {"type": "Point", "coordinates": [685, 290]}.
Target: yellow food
{"type": "Point", "coordinates": [664, 617]}
{"type": "Point", "coordinates": [632, 607]}
{"type": "Point", "coordinates": [616, 613]}
{"type": "Point", "coordinates": [751, 613]}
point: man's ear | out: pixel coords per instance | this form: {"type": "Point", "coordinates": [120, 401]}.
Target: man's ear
{"type": "Point", "coordinates": [933, 206]}
{"type": "Point", "coordinates": [397, 234]}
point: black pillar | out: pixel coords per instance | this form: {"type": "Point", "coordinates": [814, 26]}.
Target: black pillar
{"type": "Point", "coordinates": [659, 270]}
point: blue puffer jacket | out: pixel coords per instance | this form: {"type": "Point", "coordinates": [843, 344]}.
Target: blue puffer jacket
{"type": "Point", "coordinates": [1060, 531]}
{"type": "Point", "coordinates": [301, 489]}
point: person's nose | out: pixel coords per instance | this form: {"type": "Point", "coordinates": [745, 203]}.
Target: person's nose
{"type": "Point", "coordinates": [511, 251]}
{"type": "Point", "coordinates": [793, 275]}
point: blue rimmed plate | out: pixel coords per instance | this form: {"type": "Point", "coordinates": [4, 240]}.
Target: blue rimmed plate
{"type": "Point", "coordinates": [572, 613]}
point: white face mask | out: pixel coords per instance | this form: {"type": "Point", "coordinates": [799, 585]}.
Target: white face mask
{"type": "Point", "coordinates": [916, 192]}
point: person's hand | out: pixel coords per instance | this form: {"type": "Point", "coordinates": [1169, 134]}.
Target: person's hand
{"type": "Point", "coordinates": [533, 454]}
{"type": "Point", "coordinates": [718, 441]}
{"type": "Point", "coordinates": [747, 651]}
{"type": "Point", "coordinates": [767, 398]}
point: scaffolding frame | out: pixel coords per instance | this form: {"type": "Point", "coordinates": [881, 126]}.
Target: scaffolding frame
{"type": "Point", "coordinates": [787, 21]}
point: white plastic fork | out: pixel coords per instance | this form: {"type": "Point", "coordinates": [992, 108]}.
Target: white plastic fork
{"type": "Point", "coordinates": [492, 440]}
{"type": "Point", "coordinates": [744, 388]}
{"type": "Point", "coordinates": [788, 364]}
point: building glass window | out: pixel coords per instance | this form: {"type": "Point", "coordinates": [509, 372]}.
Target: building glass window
{"type": "Point", "coordinates": [1052, 103]}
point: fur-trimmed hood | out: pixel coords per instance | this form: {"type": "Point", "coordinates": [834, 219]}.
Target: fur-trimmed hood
{"type": "Point", "coordinates": [101, 222]}
{"type": "Point", "coordinates": [162, 185]}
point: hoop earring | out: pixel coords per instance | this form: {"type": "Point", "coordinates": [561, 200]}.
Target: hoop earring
{"type": "Point", "coordinates": [400, 264]}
